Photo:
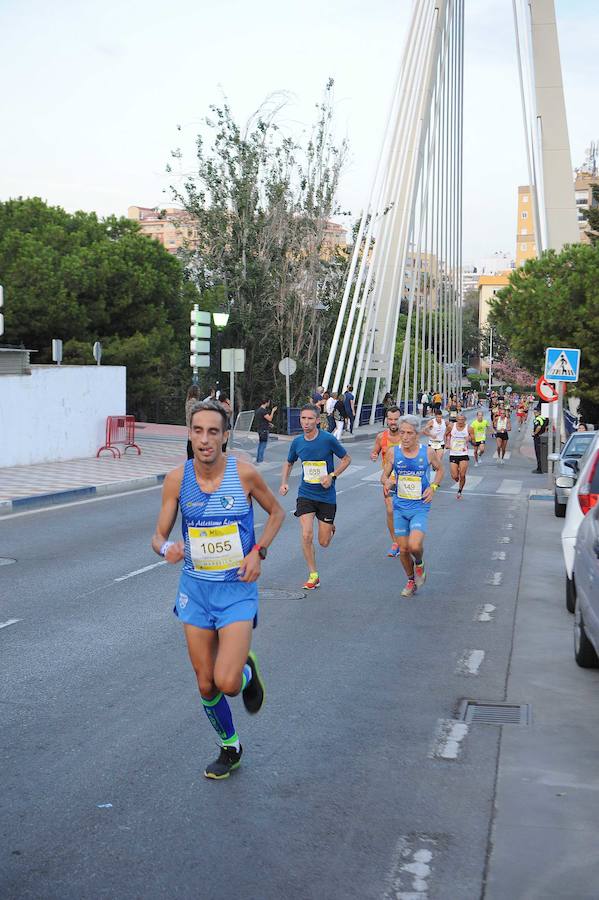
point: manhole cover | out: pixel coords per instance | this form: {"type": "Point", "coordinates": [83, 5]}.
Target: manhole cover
{"type": "Point", "coordinates": [6, 561]}
{"type": "Point", "coordinates": [481, 713]}
{"type": "Point", "coordinates": [275, 594]}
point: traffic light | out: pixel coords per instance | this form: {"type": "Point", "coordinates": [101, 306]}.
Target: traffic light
{"type": "Point", "coordinates": [199, 345]}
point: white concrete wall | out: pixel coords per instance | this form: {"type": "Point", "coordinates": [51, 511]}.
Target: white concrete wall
{"type": "Point", "coordinates": [58, 412]}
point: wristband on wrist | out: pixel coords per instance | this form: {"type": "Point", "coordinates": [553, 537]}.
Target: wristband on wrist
{"type": "Point", "coordinates": [434, 486]}
{"type": "Point", "coordinates": [165, 547]}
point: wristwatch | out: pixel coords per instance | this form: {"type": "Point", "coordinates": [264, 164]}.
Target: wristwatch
{"type": "Point", "coordinates": [333, 476]}
{"type": "Point", "coordinates": [262, 551]}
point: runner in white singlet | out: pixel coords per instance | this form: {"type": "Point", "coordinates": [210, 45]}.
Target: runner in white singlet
{"type": "Point", "coordinates": [458, 438]}
{"type": "Point", "coordinates": [435, 432]}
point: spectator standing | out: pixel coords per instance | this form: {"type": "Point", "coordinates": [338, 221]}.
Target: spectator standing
{"type": "Point", "coordinates": [350, 406]}
{"type": "Point", "coordinates": [192, 397]}
{"type": "Point", "coordinates": [211, 395]}
{"type": "Point", "coordinates": [539, 427]}
{"type": "Point", "coordinates": [339, 417]}
{"type": "Point", "coordinates": [387, 402]}
{"type": "Point", "coordinates": [425, 404]}
{"type": "Point", "coordinates": [328, 408]}
{"type": "Point", "coordinates": [263, 416]}
{"type": "Point", "coordinates": [324, 419]}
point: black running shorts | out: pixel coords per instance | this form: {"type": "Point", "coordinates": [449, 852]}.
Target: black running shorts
{"type": "Point", "coordinates": [325, 512]}
{"type": "Point", "coordinates": [502, 436]}
{"type": "Point", "coordinates": [458, 459]}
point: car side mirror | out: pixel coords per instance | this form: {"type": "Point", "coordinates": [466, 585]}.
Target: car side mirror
{"type": "Point", "coordinates": [564, 481]}
{"type": "Point", "coordinates": [553, 457]}
{"type": "Point", "coordinates": [571, 464]}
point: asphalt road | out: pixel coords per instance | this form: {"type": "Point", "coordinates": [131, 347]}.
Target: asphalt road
{"type": "Point", "coordinates": [350, 785]}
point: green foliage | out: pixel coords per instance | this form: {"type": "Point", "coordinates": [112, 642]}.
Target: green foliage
{"type": "Point", "coordinates": [81, 279]}
{"type": "Point", "coordinates": [592, 215]}
{"type": "Point", "coordinates": [261, 203]}
{"type": "Point", "coordinates": [551, 302]}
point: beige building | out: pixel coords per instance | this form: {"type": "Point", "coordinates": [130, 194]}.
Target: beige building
{"type": "Point", "coordinates": [176, 228]}
{"type": "Point", "coordinates": [526, 244]}
{"type": "Point", "coordinates": [583, 191]}
{"type": "Point", "coordinates": [488, 287]}
{"type": "Point", "coordinates": [173, 228]}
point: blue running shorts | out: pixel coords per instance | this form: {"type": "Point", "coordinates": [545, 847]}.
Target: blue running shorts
{"type": "Point", "coordinates": [407, 520]}
{"type": "Point", "coordinates": [214, 604]}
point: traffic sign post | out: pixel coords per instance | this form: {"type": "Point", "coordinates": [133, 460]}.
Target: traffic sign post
{"type": "Point", "coordinates": [287, 367]}
{"type": "Point", "coordinates": [232, 360]}
{"type": "Point", "coordinates": [562, 363]}
{"type": "Point", "coordinates": [199, 345]}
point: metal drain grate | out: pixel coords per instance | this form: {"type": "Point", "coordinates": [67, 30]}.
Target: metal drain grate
{"type": "Point", "coordinates": [275, 594]}
{"type": "Point", "coordinates": [480, 713]}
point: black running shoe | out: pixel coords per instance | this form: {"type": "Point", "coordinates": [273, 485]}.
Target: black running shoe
{"type": "Point", "coordinates": [253, 694]}
{"type": "Point", "coordinates": [228, 759]}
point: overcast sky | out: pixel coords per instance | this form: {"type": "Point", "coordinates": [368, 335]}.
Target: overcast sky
{"type": "Point", "coordinates": [93, 92]}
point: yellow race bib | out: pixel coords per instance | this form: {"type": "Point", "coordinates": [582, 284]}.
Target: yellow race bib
{"type": "Point", "coordinates": [409, 487]}
{"type": "Point", "coordinates": [314, 471]}
{"type": "Point", "coordinates": [215, 548]}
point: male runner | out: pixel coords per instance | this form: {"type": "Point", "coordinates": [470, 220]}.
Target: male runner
{"type": "Point", "coordinates": [457, 438]}
{"type": "Point", "coordinates": [479, 430]}
{"type": "Point", "coordinates": [410, 463]}
{"type": "Point", "coordinates": [316, 495]}
{"type": "Point", "coordinates": [382, 442]}
{"type": "Point", "coordinates": [217, 599]}
{"type": "Point", "coordinates": [435, 432]}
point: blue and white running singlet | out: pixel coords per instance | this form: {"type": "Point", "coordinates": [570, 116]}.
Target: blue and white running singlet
{"type": "Point", "coordinates": [218, 528]}
{"type": "Point", "coordinates": [412, 478]}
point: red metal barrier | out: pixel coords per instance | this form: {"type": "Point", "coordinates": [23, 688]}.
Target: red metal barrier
{"type": "Point", "coordinates": [119, 430]}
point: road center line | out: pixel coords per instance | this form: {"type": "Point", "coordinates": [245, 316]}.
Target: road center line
{"type": "Point", "coordinates": [162, 562]}
{"type": "Point", "coordinates": [9, 622]}
{"type": "Point", "coordinates": [484, 613]}
{"type": "Point", "coordinates": [449, 736]}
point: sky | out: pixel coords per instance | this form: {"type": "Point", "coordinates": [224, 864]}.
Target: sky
{"type": "Point", "coordinates": [93, 93]}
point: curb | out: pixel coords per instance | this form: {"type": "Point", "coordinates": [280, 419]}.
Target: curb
{"type": "Point", "coordinates": [41, 501]}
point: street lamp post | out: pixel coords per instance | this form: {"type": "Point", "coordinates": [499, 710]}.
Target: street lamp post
{"type": "Point", "coordinates": [220, 320]}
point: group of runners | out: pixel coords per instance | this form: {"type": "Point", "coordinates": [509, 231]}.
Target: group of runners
{"type": "Point", "coordinates": [214, 491]}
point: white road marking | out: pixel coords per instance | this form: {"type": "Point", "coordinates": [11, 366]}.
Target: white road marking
{"type": "Point", "coordinates": [498, 554]}
{"type": "Point", "coordinates": [469, 662]}
{"type": "Point", "coordinates": [9, 622]}
{"type": "Point", "coordinates": [484, 613]}
{"type": "Point", "coordinates": [447, 740]}
{"type": "Point", "coordinates": [374, 476]}
{"type": "Point", "coordinates": [508, 454]}
{"type": "Point", "coordinates": [494, 578]}
{"type": "Point", "coordinates": [504, 540]}
{"type": "Point", "coordinates": [471, 482]}
{"type": "Point", "coordinates": [509, 525]}
{"type": "Point", "coordinates": [162, 562]}
{"type": "Point", "coordinates": [410, 868]}
{"type": "Point", "coordinates": [509, 486]}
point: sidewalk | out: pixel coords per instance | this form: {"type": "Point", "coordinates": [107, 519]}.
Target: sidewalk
{"type": "Point", "coordinates": [544, 838]}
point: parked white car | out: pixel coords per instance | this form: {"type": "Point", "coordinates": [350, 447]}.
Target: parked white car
{"type": "Point", "coordinates": [572, 452]}
{"type": "Point", "coordinates": [586, 577]}
{"type": "Point", "coordinates": [584, 494]}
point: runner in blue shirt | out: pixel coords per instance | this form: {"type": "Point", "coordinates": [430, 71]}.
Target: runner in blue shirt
{"type": "Point", "coordinates": [410, 462]}
{"type": "Point", "coordinates": [217, 600]}
{"type": "Point", "coordinates": [316, 495]}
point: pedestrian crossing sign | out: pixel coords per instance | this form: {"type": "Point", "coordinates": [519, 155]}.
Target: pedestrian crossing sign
{"type": "Point", "coordinates": [562, 364]}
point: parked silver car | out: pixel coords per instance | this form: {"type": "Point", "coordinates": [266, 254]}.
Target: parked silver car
{"type": "Point", "coordinates": [584, 495]}
{"type": "Point", "coordinates": [572, 451]}
{"type": "Point", "coordinates": [586, 575]}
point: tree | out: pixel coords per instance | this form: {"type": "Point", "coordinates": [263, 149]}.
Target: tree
{"type": "Point", "coordinates": [554, 301]}
{"type": "Point", "coordinates": [262, 202]}
{"type": "Point", "coordinates": [83, 279]}
{"type": "Point", "coordinates": [592, 215]}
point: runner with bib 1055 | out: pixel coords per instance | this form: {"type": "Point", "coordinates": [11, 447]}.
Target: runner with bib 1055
{"type": "Point", "coordinates": [217, 600]}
